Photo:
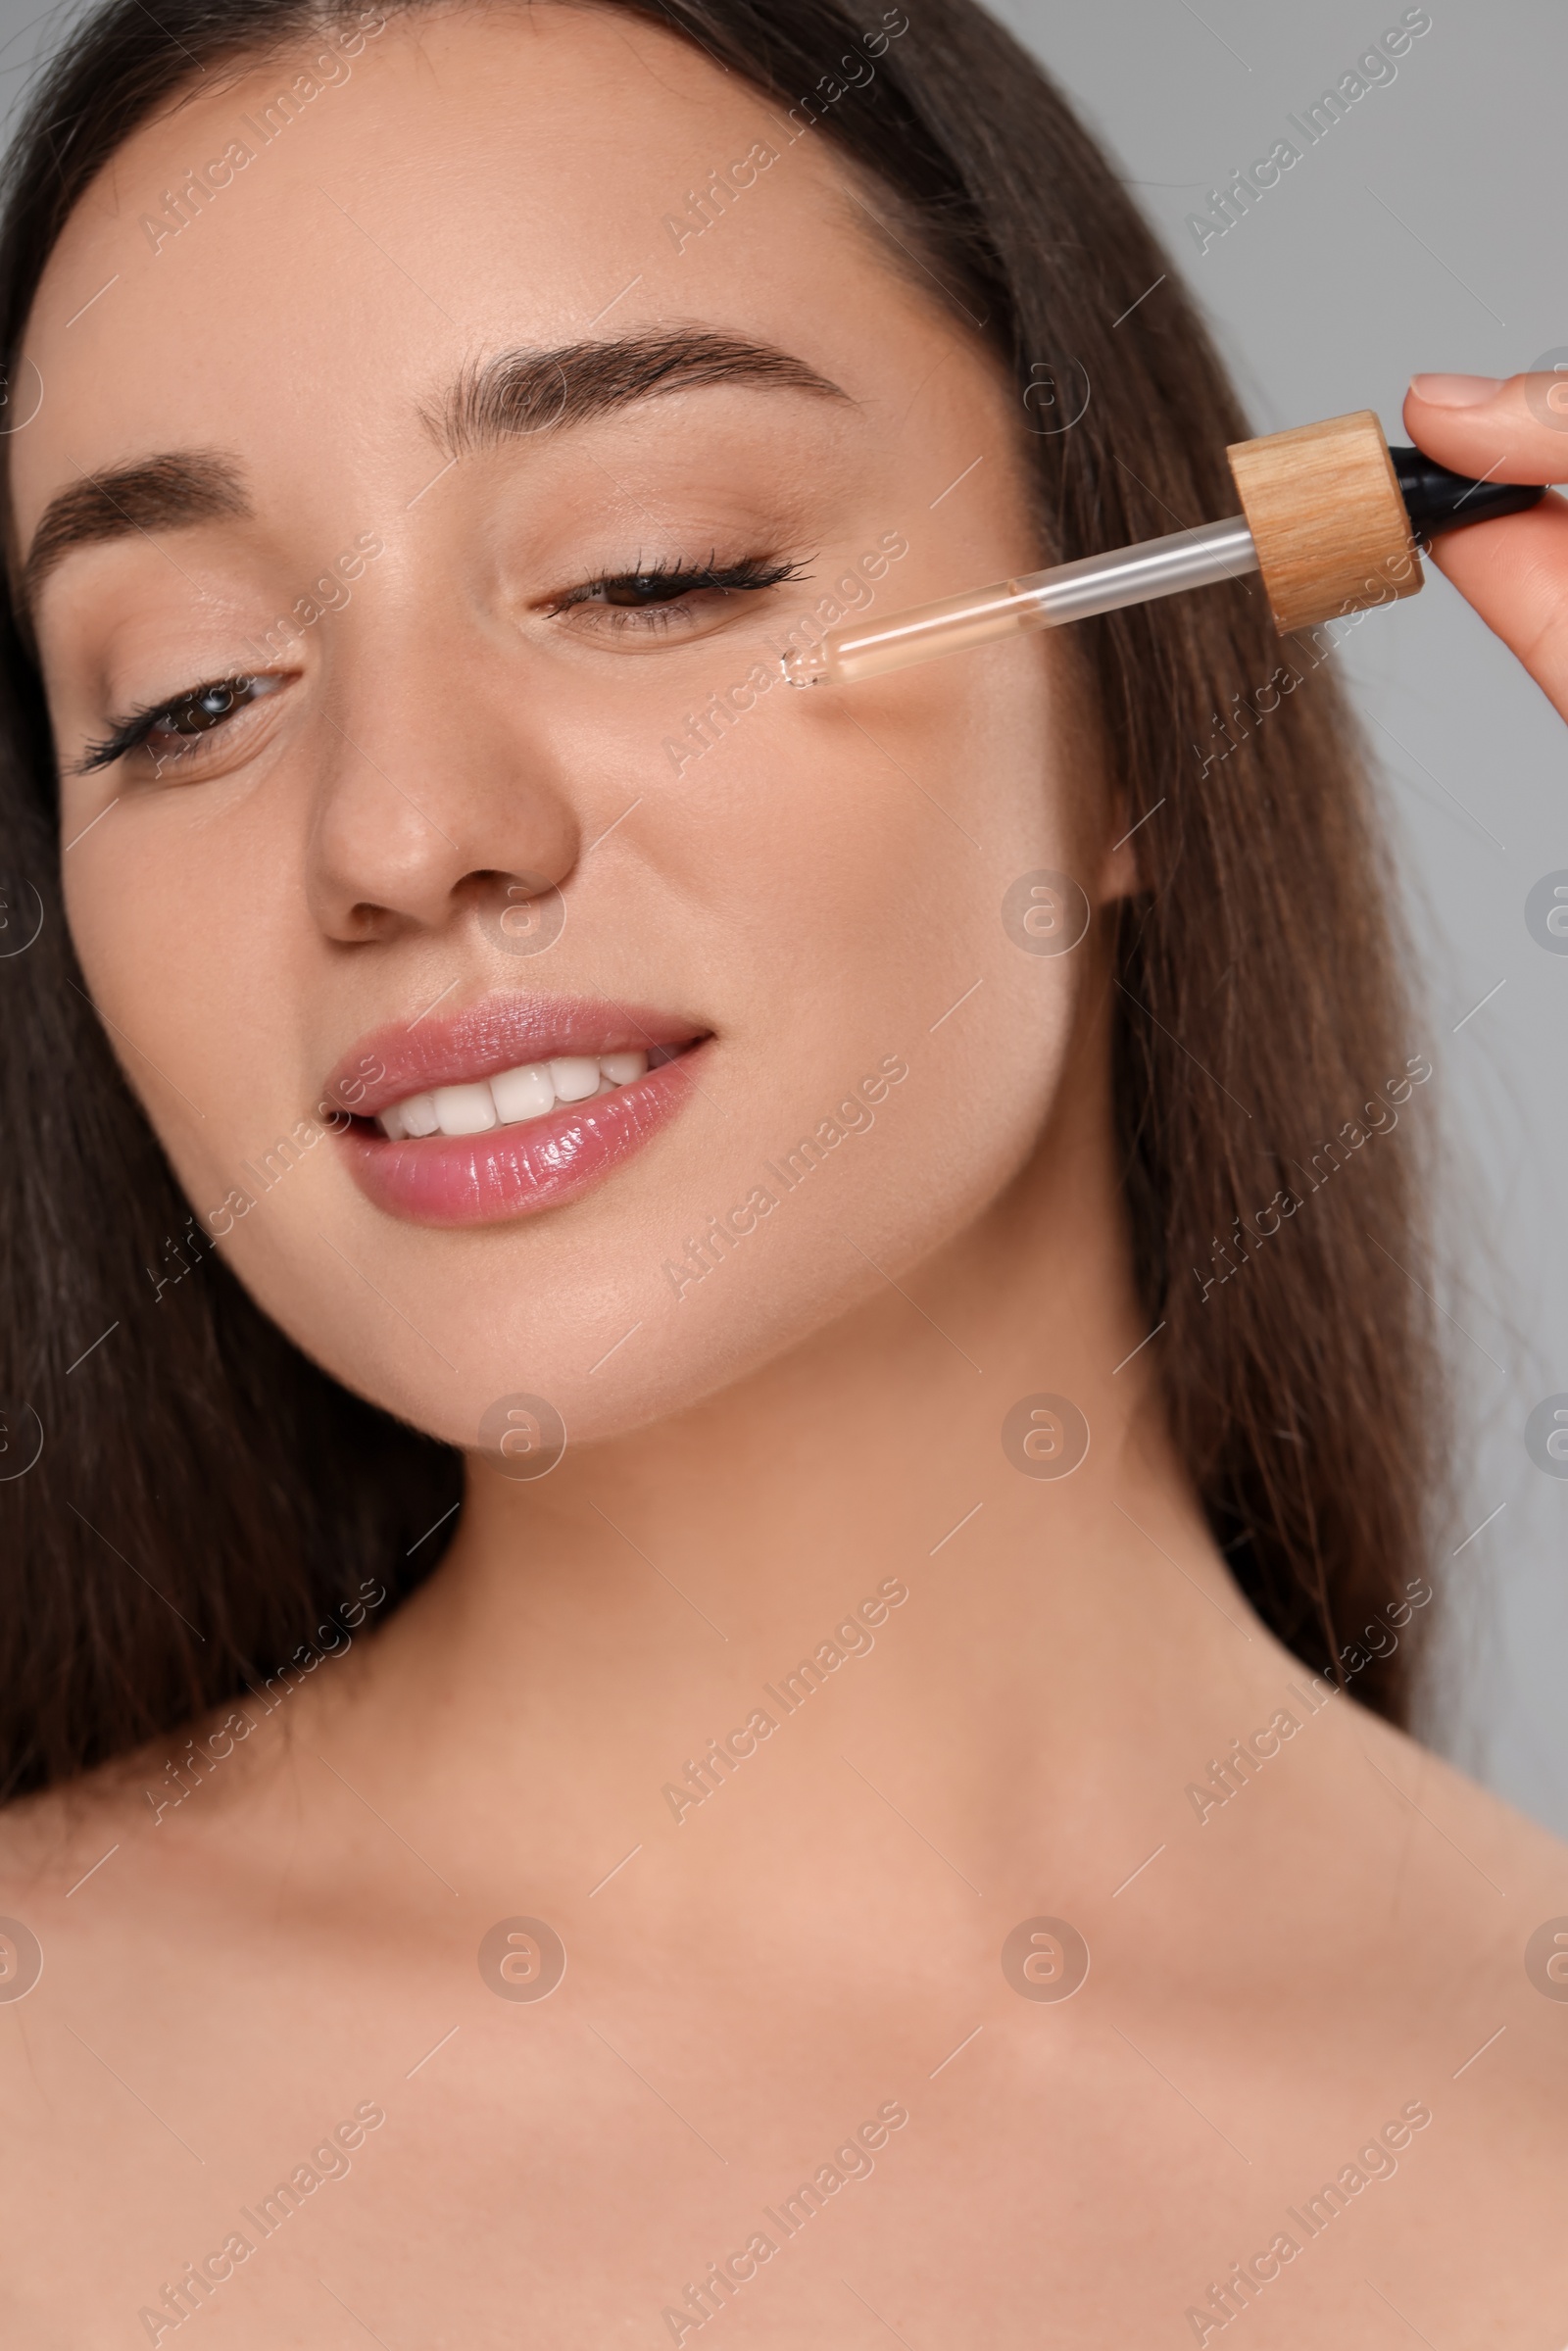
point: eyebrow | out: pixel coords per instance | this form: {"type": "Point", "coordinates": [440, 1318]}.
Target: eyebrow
{"type": "Point", "coordinates": [521, 392]}
{"type": "Point", "coordinates": [156, 493]}
{"type": "Point", "coordinates": [512, 395]}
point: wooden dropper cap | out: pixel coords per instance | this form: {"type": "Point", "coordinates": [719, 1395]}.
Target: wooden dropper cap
{"type": "Point", "coordinates": [1328, 519]}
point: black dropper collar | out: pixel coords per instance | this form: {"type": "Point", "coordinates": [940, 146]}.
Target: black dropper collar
{"type": "Point", "coordinates": [1437, 500]}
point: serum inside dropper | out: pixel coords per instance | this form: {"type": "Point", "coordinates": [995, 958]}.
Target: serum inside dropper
{"type": "Point", "coordinates": [1098, 584]}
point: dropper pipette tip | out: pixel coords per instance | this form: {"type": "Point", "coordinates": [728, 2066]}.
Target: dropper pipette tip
{"type": "Point", "coordinates": [805, 666]}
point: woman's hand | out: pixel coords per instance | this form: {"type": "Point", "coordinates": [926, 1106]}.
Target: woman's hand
{"type": "Point", "coordinates": [1516, 571]}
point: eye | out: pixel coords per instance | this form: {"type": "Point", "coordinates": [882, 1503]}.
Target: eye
{"type": "Point", "coordinates": [176, 729]}
{"type": "Point", "coordinates": [667, 598]}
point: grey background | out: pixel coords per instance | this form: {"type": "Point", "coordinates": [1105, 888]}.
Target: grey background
{"type": "Point", "coordinates": [1424, 232]}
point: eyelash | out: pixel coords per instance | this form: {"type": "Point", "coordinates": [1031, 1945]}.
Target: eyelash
{"type": "Point", "coordinates": [128, 733]}
{"type": "Point", "coordinates": [672, 578]}
{"type": "Point", "coordinates": [675, 579]}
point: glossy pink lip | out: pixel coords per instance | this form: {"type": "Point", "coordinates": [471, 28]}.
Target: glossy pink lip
{"type": "Point", "coordinates": [511, 1171]}
{"type": "Point", "coordinates": [499, 1032]}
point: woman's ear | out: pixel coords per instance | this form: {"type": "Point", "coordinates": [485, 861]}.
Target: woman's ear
{"type": "Point", "coordinates": [1118, 870]}
{"type": "Point", "coordinates": [1111, 810]}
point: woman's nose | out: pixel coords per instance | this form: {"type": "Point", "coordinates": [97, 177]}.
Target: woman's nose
{"type": "Point", "coordinates": [440, 789]}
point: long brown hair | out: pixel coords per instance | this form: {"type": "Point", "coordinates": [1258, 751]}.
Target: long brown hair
{"type": "Point", "coordinates": [203, 1497]}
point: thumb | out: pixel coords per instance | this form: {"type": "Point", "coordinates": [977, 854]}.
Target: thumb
{"type": "Point", "coordinates": [1512, 427]}
{"type": "Point", "coordinates": [1514, 571]}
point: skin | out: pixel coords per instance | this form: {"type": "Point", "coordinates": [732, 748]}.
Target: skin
{"type": "Point", "coordinates": [1270, 1985]}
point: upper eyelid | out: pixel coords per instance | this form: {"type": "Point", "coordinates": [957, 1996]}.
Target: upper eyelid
{"type": "Point", "coordinates": [682, 567]}
{"type": "Point", "coordinates": [687, 573]}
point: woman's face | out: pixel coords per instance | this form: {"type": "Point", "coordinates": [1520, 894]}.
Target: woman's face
{"type": "Point", "coordinates": [444, 429]}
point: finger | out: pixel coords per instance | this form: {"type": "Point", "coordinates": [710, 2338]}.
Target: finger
{"type": "Point", "coordinates": [1508, 429]}
{"type": "Point", "coordinates": [1515, 572]}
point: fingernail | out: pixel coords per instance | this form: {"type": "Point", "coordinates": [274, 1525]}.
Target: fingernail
{"type": "Point", "coordinates": [1456, 391]}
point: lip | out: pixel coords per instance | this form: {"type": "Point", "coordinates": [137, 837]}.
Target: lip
{"type": "Point", "coordinates": [480, 1039]}
{"type": "Point", "coordinates": [510, 1173]}
{"type": "Point", "coordinates": [515, 1171]}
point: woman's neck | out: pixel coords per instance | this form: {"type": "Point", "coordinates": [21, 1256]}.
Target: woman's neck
{"type": "Point", "coordinates": [856, 1545]}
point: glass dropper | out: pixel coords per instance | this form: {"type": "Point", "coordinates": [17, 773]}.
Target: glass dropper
{"type": "Point", "coordinates": [1096, 583]}
{"type": "Point", "coordinates": [1337, 511]}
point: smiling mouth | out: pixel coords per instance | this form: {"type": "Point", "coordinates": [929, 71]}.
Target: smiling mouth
{"type": "Point", "coordinates": [512, 1106]}
{"type": "Point", "coordinates": [517, 1098]}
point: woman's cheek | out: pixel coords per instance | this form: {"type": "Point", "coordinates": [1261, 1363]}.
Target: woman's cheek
{"type": "Point", "coordinates": [884, 834]}
{"type": "Point", "coordinates": [194, 961]}
{"type": "Point", "coordinates": [146, 937]}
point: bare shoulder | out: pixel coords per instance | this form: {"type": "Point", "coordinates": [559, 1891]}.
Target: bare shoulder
{"type": "Point", "coordinates": [1370, 1960]}
{"type": "Point", "coordinates": [146, 1847]}
{"type": "Point", "coordinates": [1458, 1925]}
{"type": "Point", "coordinates": [1522, 1861]}
{"type": "Point", "coordinates": [61, 1852]}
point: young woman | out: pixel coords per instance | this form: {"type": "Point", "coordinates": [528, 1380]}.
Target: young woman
{"type": "Point", "coordinates": [721, 1458]}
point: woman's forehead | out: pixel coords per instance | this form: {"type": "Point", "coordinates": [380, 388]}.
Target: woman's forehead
{"type": "Point", "coordinates": [328, 232]}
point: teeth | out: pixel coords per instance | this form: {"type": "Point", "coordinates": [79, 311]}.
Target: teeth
{"type": "Point", "coordinates": [514, 1097]}
{"type": "Point", "coordinates": [465, 1109]}
{"type": "Point", "coordinates": [574, 1079]}
{"type": "Point", "coordinates": [523, 1093]}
